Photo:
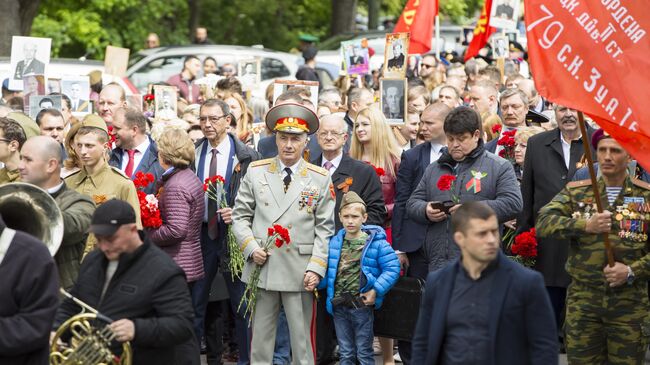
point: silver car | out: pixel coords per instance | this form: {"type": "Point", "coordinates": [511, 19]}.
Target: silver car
{"type": "Point", "coordinates": [158, 65]}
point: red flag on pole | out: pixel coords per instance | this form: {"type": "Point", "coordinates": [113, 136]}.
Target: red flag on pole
{"type": "Point", "coordinates": [482, 32]}
{"type": "Point", "coordinates": [594, 57]}
{"type": "Point", "coordinates": [418, 18]}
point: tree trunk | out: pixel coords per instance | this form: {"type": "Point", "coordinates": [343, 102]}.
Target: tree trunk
{"type": "Point", "coordinates": [343, 16]}
{"type": "Point", "coordinates": [193, 22]}
{"type": "Point", "coordinates": [373, 14]}
{"type": "Point", "coordinates": [16, 18]}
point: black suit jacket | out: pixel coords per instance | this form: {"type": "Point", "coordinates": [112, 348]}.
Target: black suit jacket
{"type": "Point", "coordinates": [521, 321]}
{"type": "Point", "coordinates": [408, 235]}
{"type": "Point", "coordinates": [365, 182]}
{"type": "Point", "coordinates": [492, 145]}
{"type": "Point", "coordinates": [148, 164]}
{"type": "Point", "coordinates": [545, 174]}
{"type": "Point", "coordinates": [268, 149]}
{"type": "Point", "coordinates": [35, 67]}
{"type": "Point", "coordinates": [397, 62]}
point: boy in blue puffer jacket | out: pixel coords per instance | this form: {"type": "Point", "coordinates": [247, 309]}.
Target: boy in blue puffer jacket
{"type": "Point", "coordinates": [361, 268]}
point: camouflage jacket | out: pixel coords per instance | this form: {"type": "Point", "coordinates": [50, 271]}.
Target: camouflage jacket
{"type": "Point", "coordinates": [565, 217]}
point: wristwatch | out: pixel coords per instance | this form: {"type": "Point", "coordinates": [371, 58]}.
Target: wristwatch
{"type": "Point", "coordinates": [630, 275]}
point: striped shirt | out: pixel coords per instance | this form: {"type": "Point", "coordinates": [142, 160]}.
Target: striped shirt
{"type": "Point", "coordinates": [612, 193]}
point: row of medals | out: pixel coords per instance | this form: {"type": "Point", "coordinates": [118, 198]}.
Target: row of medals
{"type": "Point", "coordinates": [632, 219]}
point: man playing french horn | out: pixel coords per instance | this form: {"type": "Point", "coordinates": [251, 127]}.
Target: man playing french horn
{"type": "Point", "coordinates": [138, 287]}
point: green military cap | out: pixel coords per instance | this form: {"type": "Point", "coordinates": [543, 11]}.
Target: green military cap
{"type": "Point", "coordinates": [351, 198]}
{"type": "Point", "coordinates": [292, 118]}
{"type": "Point", "coordinates": [29, 126]}
{"type": "Point", "coordinates": [308, 38]}
{"type": "Point", "coordinates": [95, 121]}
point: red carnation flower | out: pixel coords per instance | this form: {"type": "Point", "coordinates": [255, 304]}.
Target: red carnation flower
{"type": "Point", "coordinates": [278, 242]}
{"type": "Point", "coordinates": [270, 231]}
{"type": "Point", "coordinates": [445, 182]}
{"type": "Point", "coordinates": [496, 128]}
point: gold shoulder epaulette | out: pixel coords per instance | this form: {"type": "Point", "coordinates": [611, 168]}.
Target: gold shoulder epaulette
{"type": "Point", "coordinates": [119, 172]}
{"type": "Point", "coordinates": [641, 184]}
{"type": "Point", "coordinates": [261, 162]}
{"type": "Point", "coordinates": [579, 183]}
{"type": "Point", "coordinates": [317, 169]}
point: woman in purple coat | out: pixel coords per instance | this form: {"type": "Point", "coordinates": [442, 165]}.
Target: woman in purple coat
{"type": "Point", "coordinates": [181, 203]}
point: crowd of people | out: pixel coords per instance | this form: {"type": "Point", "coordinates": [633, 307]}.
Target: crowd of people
{"type": "Point", "coordinates": [354, 206]}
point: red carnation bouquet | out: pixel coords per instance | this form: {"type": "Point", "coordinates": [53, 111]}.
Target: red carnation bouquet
{"type": "Point", "coordinates": [446, 183]}
{"type": "Point", "coordinates": [215, 188]}
{"type": "Point", "coordinates": [148, 107]}
{"type": "Point", "coordinates": [378, 170]}
{"type": "Point", "coordinates": [524, 248]}
{"type": "Point", "coordinates": [111, 135]}
{"type": "Point", "coordinates": [276, 236]}
{"type": "Point", "coordinates": [496, 128]}
{"type": "Point", "coordinates": [507, 141]}
{"type": "Point", "coordinates": [149, 212]}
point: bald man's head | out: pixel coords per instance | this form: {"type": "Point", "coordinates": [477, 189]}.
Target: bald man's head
{"type": "Point", "coordinates": [40, 162]}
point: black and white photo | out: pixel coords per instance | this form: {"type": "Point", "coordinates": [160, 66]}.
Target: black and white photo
{"type": "Point", "coordinates": [165, 101]}
{"type": "Point", "coordinates": [393, 99]}
{"type": "Point", "coordinates": [397, 46]}
{"type": "Point", "coordinates": [248, 73]}
{"type": "Point", "coordinates": [40, 102]}
{"type": "Point", "coordinates": [505, 14]}
{"type": "Point", "coordinates": [29, 56]}
{"type": "Point", "coordinates": [499, 47]}
{"type": "Point", "coordinates": [78, 90]}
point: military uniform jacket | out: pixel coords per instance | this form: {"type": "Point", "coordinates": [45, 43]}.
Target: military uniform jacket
{"type": "Point", "coordinates": [306, 210]}
{"type": "Point", "coordinates": [565, 217]}
{"type": "Point", "coordinates": [104, 185]}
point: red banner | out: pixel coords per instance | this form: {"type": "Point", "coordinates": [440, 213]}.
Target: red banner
{"type": "Point", "coordinates": [594, 56]}
{"type": "Point", "coordinates": [418, 18]}
{"type": "Point", "coordinates": [482, 32]}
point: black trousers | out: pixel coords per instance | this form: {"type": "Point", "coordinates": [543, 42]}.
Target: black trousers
{"type": "Point", "coordinates": [325, 333]}
{"type": "Point", "coordinates": [418, 268]}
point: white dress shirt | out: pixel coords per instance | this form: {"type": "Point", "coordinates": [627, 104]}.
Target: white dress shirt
{"type": "Point", "coordinates": [140, 150]}
{"type": "Point", "coordinates": [566, 150]}
{"type": "Point", "coordinates": [335, 163]}
{"type": "Point", "coordinates": [223, 151]}
{"type": "Point", "coordinates": [435, 152]}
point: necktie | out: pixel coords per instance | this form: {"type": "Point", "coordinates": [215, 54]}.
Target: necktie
{"type": "Point", "coordinates": [328, 165]}
{"type": "Point", "coordinates": [213, 226]}
{"type": "Point", "coordinates": [287, 179]}
{"type": "Point", "coordinates": [129, 165]}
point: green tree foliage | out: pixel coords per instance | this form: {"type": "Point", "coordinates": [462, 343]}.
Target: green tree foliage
{"type": "Point", "coordinates": [275, 24]}
{"type": "Point", "coordinates": [86, 27]}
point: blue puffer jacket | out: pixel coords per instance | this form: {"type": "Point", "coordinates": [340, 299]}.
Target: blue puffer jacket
{"type": "Point", "coordinates": [379, 265]}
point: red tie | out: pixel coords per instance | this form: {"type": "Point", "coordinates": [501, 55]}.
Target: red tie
{"type": "Point", "coordinates": [129, 165]}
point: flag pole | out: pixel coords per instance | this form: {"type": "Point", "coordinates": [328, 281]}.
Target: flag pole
{"type": "Point", "coordinates": [594, 183]}
{"type": "Point", "coordinates": [437, 32]}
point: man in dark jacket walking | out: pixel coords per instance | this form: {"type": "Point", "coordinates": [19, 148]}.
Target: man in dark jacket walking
{"type": "Point", "coordinates": [139, 287]}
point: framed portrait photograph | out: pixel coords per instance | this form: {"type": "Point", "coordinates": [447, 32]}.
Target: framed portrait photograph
{"type": "Point", "coordinates": [249, 73]}
{"type": "Point", "coordinates": [53, 85]}
{"type": "Point", "coordinates": [504, 14]}
{"type": "Point", "coordinates": [40, 102]}
{"type": "Point", "coordinates": [165, 102]}
{"type": "Point", "coordinates": [500, 47]}
{"type": "Point", "coordinates": [396, 55]}
{"type": "Point", "coordinates": [280, 86]}
{"type": "Point", "coordinates": [32, 85]}
{"type": "Point", "coordinates": [393, 100]}
{"type": "Point", "coordinates": [77, 88]}
{"type": "Point", "coordinates": [356, 59]}
{"type": "Point", "coordinates": [29, 56]}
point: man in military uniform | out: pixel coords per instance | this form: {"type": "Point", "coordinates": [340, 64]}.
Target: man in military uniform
{"type": "Point", "coordinates": [290, 192]}
{"type": "Point", "coordinates": [12, 137]}
{"type": "Point", "coordinates": [608, 317]}
{"type": "Point", "coordinates": [96, 178]}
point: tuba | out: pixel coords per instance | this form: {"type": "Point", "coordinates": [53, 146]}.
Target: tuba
{"type": "Point", "coordinates": [90, 342]}
{"type": "Point", "coordinates": [28, 208]}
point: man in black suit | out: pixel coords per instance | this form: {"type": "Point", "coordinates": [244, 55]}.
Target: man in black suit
{"type": "Point", "coordinates": [505, 10]}
{"type": "Point", "coordinates": [356, 59]}
{"type": "Point", "coordinates": [30, 65]}
{"type": "Point", "coordinates": [408, 234]}
{"type": "Point", "coordinates": [483, 307]}
{"type": "Point", "coordinates": [550, 163]}
{"type": "Point", "coordinates": [77, 103]}
{"type": "Point", "coordinates": [134, 151]}
{"type": "Point", "coordinates": [347, 175]}
{"type": "Point", "coordinates": [397, 62]}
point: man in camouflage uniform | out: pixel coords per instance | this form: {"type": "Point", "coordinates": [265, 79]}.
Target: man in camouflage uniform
{"type": "Point", "coordinates": [608, 317]}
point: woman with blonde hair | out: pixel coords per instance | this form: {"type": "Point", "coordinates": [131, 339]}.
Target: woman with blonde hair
{"type": "Point", "coordinates": [181, 203]}
{"type": "Point", "coordinates": [521, 143]}
{"type": "Point", "coordinates": [243, 116]}
{"type": "Point", "coordinates": [373, 142]}
{"type": "Point", "coordinates": [418, 98]}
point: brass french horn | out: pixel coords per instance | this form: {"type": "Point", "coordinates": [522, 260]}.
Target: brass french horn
{"type": "Point", "coordinates": [28, 208]}
{"type": "Point", "coordinates": [90, 340]}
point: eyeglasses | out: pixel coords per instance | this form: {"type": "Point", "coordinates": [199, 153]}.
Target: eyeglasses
{"type": "Point", "coordinates": [211, 118]}
{"type": "Point", "coordinates": [424, 65]}
{"type": "Point", "coordinates": [326, 134]}
{"type": "Point", "coordinates": [5, 140]}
